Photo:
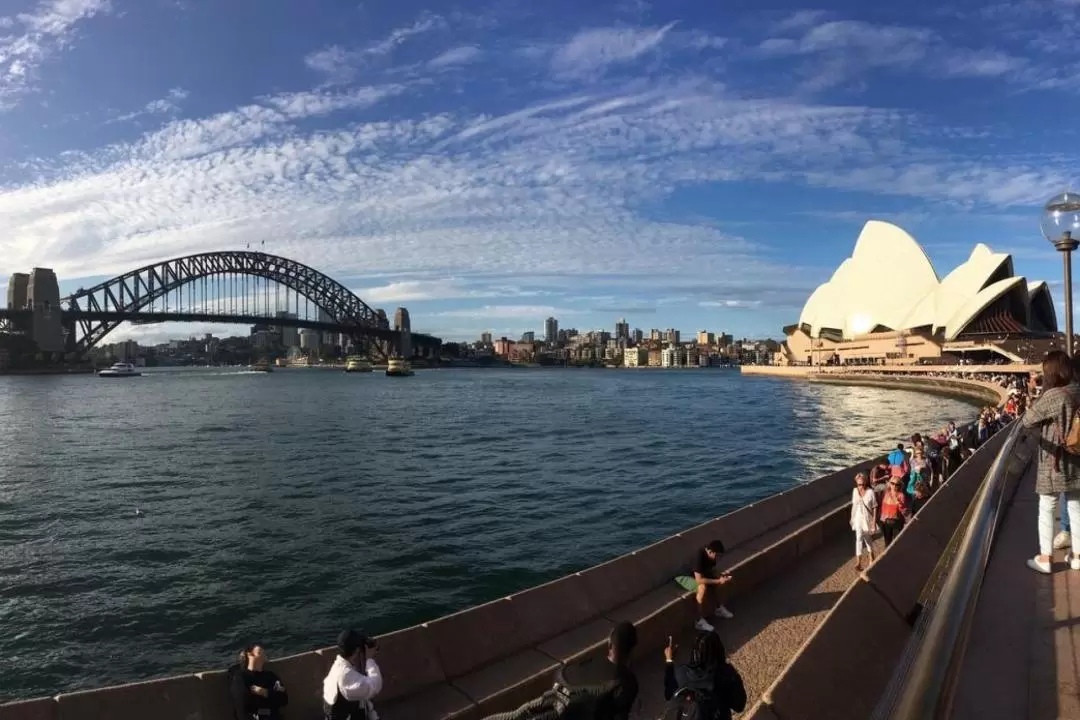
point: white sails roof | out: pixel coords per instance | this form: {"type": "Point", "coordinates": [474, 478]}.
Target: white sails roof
{"type": "Point", "coordinates": [889, 282]}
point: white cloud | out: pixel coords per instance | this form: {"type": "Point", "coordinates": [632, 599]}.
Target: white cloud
{"type": "Point", "coordinates": [731, 304]}
{"type": "Point", "coordinates": [31, 38]}
{"type": "Point", "coordinates": [457, 56]}
{"type": "Point", "coordinates": [591, 51]}
{"type": "Point", "coordinates": [848, 48]}
{"type": "Point", "coordinates": [340, 65]}
{"type": "Point", "coordinates": [166, 105]}
{"type": "Point", "coordinates": [413, 290]}
{"type": "Point", "coordinates": [504, 312]}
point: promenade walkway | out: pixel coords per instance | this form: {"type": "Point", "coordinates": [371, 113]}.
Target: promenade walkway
{"type": "Point", "coordinates": [1023, 655]}
{"type": "Point", "coordinates": [770, 624]}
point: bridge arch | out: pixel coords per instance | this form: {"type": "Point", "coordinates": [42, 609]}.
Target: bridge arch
{"type": "Point", "coordinates": [138, 289]}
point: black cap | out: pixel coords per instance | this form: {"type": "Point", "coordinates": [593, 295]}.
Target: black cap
{"type": "Point", "coordinates": [349, 641]}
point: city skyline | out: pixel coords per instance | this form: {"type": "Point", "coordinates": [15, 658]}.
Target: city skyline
{"type": "Point", "coordinates": [676, 164]}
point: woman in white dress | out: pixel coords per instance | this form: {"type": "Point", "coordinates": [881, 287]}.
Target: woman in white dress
{"type": "Point", "coordinates": [863, 519]}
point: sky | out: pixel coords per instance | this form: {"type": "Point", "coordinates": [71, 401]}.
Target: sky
{"type": "Point", "coordinates": [696, 165]}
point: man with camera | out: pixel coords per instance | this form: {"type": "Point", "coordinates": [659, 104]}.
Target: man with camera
{"type": "Point", "coordinates": [354, 679]}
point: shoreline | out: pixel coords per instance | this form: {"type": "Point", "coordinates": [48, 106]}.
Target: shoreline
{"type": "Point", "coordinates": [975, 391]}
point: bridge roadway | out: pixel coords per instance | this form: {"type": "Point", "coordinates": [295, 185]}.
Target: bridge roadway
{"type": "Point", "coordinates": [1023, 656]}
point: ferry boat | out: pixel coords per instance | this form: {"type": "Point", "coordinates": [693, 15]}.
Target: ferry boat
{"type": "Point", "coordinates": [357, 365]}
{"type": "Point", "coordinates": [262, 366]}
{"type": "Point", "coordinates": [120, 370]}
{"type": "Point", "coordinates": [398, 368]}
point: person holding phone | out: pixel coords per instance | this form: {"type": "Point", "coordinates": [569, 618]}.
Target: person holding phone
{"type": "Point", "coordinates": [708, 585]}
{"type": "Point", "coordinates": [354, 679]}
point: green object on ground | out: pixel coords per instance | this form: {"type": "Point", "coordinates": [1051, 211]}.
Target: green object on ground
{"type": "Point", "coordinates": [686, 583]}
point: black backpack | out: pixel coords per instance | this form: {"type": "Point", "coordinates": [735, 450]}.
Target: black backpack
{"type": "Point", "coordinates": [690, 704]}
{"type": "Point", "coordinates": [574, 701]}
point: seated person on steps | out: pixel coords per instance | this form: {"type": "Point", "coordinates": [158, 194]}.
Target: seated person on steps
{"type": "Point", "coordinates": [708, 585]}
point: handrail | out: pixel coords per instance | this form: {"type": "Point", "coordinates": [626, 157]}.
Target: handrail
{"type": "Point", "coordinates": [927, 692]}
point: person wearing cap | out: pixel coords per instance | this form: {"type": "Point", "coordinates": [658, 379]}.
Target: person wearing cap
{"type": "Point", "coordinates": [354, 679]}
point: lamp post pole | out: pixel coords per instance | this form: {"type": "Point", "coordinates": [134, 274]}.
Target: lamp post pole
{"type": "Point", "coordinates": [1065, 245]}
{"type": "Point", "coordinates": [1060, 220]}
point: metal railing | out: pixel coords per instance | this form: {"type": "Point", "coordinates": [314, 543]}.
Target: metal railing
{"type": "Point", "coordinates": [936, 654]}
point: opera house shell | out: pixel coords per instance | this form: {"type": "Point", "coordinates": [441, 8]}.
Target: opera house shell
{"type": "Point", "coordinates": [889, 287]}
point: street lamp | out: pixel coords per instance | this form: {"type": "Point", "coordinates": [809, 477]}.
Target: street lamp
{"type": "Point", "coordinates": [1060, 224]}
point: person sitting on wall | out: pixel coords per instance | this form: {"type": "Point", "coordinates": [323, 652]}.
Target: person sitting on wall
{"type": "Point", "coordinates": [597, 688]}
{"type": "Point", "coordinates": [708, 582]}
{"type": "Point", "coordinates": [708, 681]}
{"type": "Point", "coordinates": [256, 692]}
{"type": "Point", "coordinates": [354, 679]}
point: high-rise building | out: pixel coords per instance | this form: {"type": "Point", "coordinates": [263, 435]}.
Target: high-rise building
{"type": "Point", "coordinates": [622, 329]}
{"type": "Point", "coordinates": [705, 338]}
{"type": "Point", "coordinates": [288, 336]}
{"type": "Point", "coordinates": [638, 336]}
{"type": "Point", "coordinates": [671, 336]}
{"type": "Point", "coordinates": [528, 337]}
{"type": "Point", "coordinates": [310, 340]}
{"type": "Point", "coordinates": [656, 335]}
{"type": "Point", "coordinates": [551, 330]}
{"type": "Point", "coordinates": [485, 338]}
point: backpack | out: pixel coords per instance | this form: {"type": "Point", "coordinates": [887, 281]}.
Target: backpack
{"type": "Point", "coordinates": [690, 704]}
{"type": "Point", "coordinates": [580, 701]}
{"type": "Point", "coordinates": [1071, 441]}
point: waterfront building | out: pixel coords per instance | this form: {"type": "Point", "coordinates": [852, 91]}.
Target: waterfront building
{"type": "Point", "coordinates": [655, 357]}
{"type": "Point", "coordinates": [310, 340]}
{"type": "Point", "coordinates": [622, 329]}
{"type": "Point", "coordinates": [691, 353]}
{"type": "Point", "coordinates": [551, 331]}
{"type": "Point", "coordinates": [981, 308]}
{"type": "Point", "coordinates": [287, 336]}
{"type": "Point", "coordinates": [485, 338]}
{"type": "Point", "coordinates": [673, 356]}
{"type": "Point", "coordinates": [635, 357]}
{"type": "Point", "coordinates": [126, 350]}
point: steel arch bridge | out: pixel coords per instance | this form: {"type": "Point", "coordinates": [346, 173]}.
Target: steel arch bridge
{"type": "Point", "coordinates": [101, 309]}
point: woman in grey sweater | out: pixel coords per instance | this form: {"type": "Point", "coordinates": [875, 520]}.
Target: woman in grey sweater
{"type": "Point", "coordinates": [1058, 471]}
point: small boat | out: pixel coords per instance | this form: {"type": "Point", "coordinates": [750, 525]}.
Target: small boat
{"type": "Point", "coordinates": [357, 365]}
{"type": "Point", "coordinates": [120, 370]}
{"type": "Point", "coordinates": [397, 367]}
{"type": "Point", "coordinates": [262, 366]}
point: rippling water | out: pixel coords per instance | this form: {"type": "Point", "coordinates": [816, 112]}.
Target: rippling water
{"type": "Point", "coordinates": [286, 506]}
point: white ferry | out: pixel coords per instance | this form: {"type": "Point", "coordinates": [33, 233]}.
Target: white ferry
{"type": "Point", "coordinates": [120, 370]}
{"type": "Point", "coordinates": [357, 365]}
{"type": "Point", "coordinates": [398, 368]}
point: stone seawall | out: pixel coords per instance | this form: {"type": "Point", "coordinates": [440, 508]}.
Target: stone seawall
{"type": "Point", "coordinates": [960, 387]}
{"type": "Point", "coordinates": [492, 657]}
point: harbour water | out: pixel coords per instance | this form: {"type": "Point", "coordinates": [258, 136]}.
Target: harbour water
{"type": "Point", "coordinates": [282, 507]}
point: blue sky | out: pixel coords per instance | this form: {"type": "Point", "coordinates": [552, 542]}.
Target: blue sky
{"type": "Point", "coordinates": [682, 164]}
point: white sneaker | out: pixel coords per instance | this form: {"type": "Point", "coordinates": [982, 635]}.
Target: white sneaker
{"type": "Point", "coordinates": [704, 625]}
{"type": "Point", "coordinates": [1062, 540]}
{"type": "Point", "coordinates": [1074, 562]}
{"type": "Point", "coordinates": [723, 612]}
{"type": "Point", "coordinates": [1038, 567]}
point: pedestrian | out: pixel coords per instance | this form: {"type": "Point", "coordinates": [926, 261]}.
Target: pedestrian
{"type": "Point", "coordinates": [863, 519]}
{"type": "Point", "coordinates": [894, 507]}
{"type": "Point", "coordinates": [1058, 470]}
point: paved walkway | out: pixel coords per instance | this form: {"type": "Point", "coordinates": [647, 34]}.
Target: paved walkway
{"type": "Point", "coordinates": [770, 624]}
{"type": "Point", "coordinates": [1023, 656]}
